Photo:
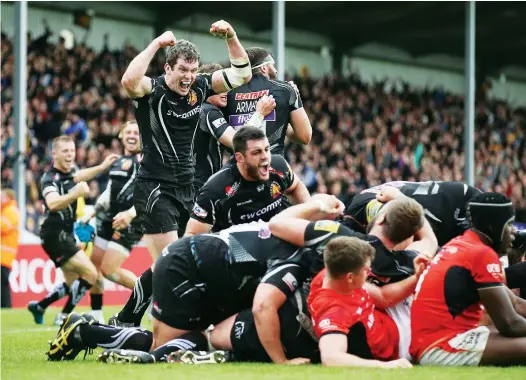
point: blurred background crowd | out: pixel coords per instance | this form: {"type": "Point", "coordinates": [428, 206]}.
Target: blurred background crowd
{"type": "Point", "coordinates": [363, 135]}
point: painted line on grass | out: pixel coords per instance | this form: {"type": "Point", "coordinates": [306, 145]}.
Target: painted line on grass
{"type": "Point", "coordinates": [46, 329]}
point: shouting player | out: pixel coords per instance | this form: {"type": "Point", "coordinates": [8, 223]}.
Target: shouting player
{"type": "Point", "coordinates": [167, 111]}
{"type": "Point", "coordinates": [118, 231]}
{"type": "Point", "coordinates": [60, 189]}
{"type": "Point", "coordinates": [464, 279]}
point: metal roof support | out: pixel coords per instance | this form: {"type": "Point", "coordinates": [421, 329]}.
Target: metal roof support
{"type": "Point", "coordinates": [278, 36]}
{"type": "Point", "coordinates": [469, 103]}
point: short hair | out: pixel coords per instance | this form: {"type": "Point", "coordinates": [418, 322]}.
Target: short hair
{"type": "Point", "coordinates": [209, 68]}
{"type": "Point", "coordinates": [403, 218]}
{"type": "Point", "coordinates": [256, 55]}
{"type": "Point", "coordinates": [124, 125]}
{"type": "Point", "coordinates": [61, 139]}
{"type": "Point", "coordinates": [183, 49]}
{"type": "Point", "coordinates": [245, 134]}
{"type": "Point", "coordinates": [346, 254]}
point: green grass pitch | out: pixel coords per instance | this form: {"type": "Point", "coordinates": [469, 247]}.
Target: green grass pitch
{"type": "Point", "coordinates": [24, 345]}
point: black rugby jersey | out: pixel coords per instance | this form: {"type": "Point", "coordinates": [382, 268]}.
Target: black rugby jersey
{"type": "Point", "coordinates": [444, 205]}
{"type": "Point", "coordinates": [62, 220]}
{"type": "Point", "coordinates": [228, 199]}
{"type": "Point", "coordinates": [123, 174]}
{"type": "Point", "coordinates": [242, 104]}
{"type": "Point", "coordinates": [208, 150]}
{"type": "Point", "coordinates": [167, 124]}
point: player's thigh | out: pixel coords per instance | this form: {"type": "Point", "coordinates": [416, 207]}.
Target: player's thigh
{"type": "Point", "coordinates": [163, 333]}
{"type": "Point", "coordinates": [220, 335]}
{"type": "Point", "coordinates": [81, 264]}
{"type": "Point", "coordinates": [97, 255]}
{"type": "Point", "coordinates": [114, 257]}
{"type": "Point", "coordinates": [157, 242]}
{"type": "Point", "coordinates": [501, 350]}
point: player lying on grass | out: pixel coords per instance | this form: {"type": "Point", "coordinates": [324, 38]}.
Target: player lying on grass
{"type": "Point", "coordinates": [464, 279]}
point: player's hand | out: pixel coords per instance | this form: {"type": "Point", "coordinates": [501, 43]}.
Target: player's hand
{"type": "Point", "coordinates": [266, 105]}
{"type": "Point", "coordinates": [329, 205]}
{"type": "Point", "coordinates": [108, 161]}
{"type": "Point", "coordinates": [122, 220]}
{"type": "Point", "coordinates": [420, 263]}
{"type": "Point", "coordinates": [222, 29]}
{"type": "Point", "coordinates": [297, 361]}
{"type": "Point", "coordinates": [82, 189]}
{"type": "Point", "coordinates": [166, 39]}
{"type": "Point", "coordinates": [399, 363]}
{"type": "Point", "coordinates": [388, 193]}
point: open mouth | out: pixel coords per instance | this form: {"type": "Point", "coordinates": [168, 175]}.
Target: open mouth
{"type": "Point", "coordinates": [264, 168]}
{"type": "Point", "coordinates": [131, 140]}
{"type": "Point", "coordinates": [185, 85]}
{"type": "Point", "coordinates": [68, 161]}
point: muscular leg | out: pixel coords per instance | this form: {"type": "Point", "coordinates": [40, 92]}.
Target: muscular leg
{"type": "Point", "coordinates": [162, 333]}
{"type": "Point", "coordinates": [501, 350]}
{"type": "Point", "coordinates": [80, 264]}
{"type": "Point", "coordinates": [111, 266]}
{"type": "Point", "coordinates": [220, 335]}
{"type": "Point", "coordinates": [96, 292]}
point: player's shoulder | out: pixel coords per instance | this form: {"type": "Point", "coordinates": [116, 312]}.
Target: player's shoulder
{"type": "Point", "coordinates": [209, 107]}
{"type": "Point", "coordinates": [221, 180]}
{"type": "Point", "coordinates": [279, 85]}
{"type": "Point", "coordinates": [278, 163]}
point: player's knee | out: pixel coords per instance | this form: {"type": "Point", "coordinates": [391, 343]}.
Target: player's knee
{"type": "Point", "coordinates": [112, 276]}
{"type": "Point", "coordinates": [90, 273]}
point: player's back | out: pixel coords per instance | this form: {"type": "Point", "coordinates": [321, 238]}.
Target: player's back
{"type": "Point", "coordinates": [446, 299]}
{"type": "Point", "coordinates": [242, 104]}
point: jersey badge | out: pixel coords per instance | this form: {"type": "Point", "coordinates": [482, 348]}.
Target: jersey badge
{"type": "Point", "coordinates": [199, 211]}
{"type": "Point", "coordinates": [231, 190]}
{"type": "Point", "coordinates": [192, 97]}
{"type": "Point", "coordinates": [275, 190]}
{"type": "Point", "coordinates": [327, 225]}
{"type": "Point", "coordinates": [126, 164]}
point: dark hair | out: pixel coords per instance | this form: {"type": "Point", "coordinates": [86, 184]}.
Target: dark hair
{"type": "Point", "coordinates": [346, 254]}
{"type": "Point", "coordinates": [256, 55]}
{"type": "Point", "coordinates": [209, 68]}
{"type": "Point", "coordinates": [245, 134]}
{"type": "Point", "coordinates": [183, 49]}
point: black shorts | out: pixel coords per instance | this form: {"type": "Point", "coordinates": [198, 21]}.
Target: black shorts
{"type": "Point", "coordinates": [162, 208]}
{"type": "Point", "coordinates": [180, 296]}
{"type": "Point", "coordinates": [296, 341]}
{"type": "Point", "coordinates": [128, 237]}
{"type": "Point", "coordinates": [60, 247]}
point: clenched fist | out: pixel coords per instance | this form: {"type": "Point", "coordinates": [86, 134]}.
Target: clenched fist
{"type": "Point", "coordinates": [266, 105]}
{"type": "Point", "coordinates": [82, 189]}
{"type": "Point", "coordinates": [166, 39]}
{"type": "Point", "coordinates": [222, 29]}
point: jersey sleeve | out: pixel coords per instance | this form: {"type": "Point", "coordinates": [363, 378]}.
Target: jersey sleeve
{"type": "Point", "coordinates": [486, 269]}
{"type": "Point", "coordinates": [331, 320]}
{"type": "Point", "coordinates": [204, 82]}
{"type": "Point", "coordinates": [283, 169]}
{"type": "Point", "coordinates": [319, 231]}
{"type": "Point", "coordinates": [295, 102]}
{"type": "Point", "coordinates": [213, 122]}
{"type": "Point", "coordinates": [204, 207]}
{"type": "Point", "coordinates": [47, 185]}
{"type": "Point", "coordinates": [285, 276]}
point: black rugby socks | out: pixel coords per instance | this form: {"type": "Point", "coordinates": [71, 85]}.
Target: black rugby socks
{"type": "Point", "coordinates": [139, 300]}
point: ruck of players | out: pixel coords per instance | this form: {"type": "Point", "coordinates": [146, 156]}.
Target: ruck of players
{"type": "Point", "coordinates": [248, 266]}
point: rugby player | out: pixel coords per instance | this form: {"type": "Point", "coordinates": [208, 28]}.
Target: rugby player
{"type": "Point", "coordinates": [242, 101]}
{"type": "Point", "coordinates": [444, 205]}
{"type": "Point", "coordinates": [60, 188]}
{"type": "Point", "coordinates": [464, 279]}
{"type": "Point", "coordinates": [394, 227]}
{"type": "Point", "coordinates": [214, 135]}
{"type": "Point", "coordinates": [167, 111]}
{"type": "Point", "coordinates": [256, 188]}
{"type": "Point", "coordinates": [118, 231]}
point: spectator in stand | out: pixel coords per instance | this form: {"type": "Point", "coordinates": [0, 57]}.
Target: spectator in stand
{"type": "Point", "coordinates": [9, 241]}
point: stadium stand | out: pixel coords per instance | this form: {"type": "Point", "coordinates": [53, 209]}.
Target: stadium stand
{"type": "Point", "coordinates": [363, 134]}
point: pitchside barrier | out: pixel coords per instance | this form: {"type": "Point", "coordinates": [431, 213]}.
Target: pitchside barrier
{"type": "Point", "coordinates": [34, 275]}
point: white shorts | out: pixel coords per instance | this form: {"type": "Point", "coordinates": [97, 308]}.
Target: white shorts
{"type": "Point", "coordinates": [465, 349]}
{"type": "Point", "coordinates": [401, 315]}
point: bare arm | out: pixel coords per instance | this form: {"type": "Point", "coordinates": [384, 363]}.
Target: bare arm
{"type": "Point", "coordinates": [518, 303]}
{"type": "Point", "coordinates": [267, 301]}
{"type": "Point", "coordinates": [292, 136]}
{"type": "Point", "coordinates": [240, 71]}
{"type": "Point", "coordinates": [301, 126]}
{"type": "Point", "coordinates": [134, 81]}
{"type": "Point", "coordinates": [195, 227]}
{"type": "Point", "coordinates": [56, 202]}
{"type": "Point", "coordinates": [426, 242]}
{"type": "Point", "coordinates": [501, 311]}
{"type": "Point", "coordinates": [298, 191]}
{"type": "Point", "coordinates": [391, 294]}
{"type": "Point", "coordinates": [90, 173]}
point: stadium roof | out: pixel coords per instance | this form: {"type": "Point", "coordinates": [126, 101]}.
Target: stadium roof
{"type": "Point", "coordinates": [420, 28]}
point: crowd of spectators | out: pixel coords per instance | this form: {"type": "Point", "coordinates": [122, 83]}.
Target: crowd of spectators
{"type": "Point", "coordinates": [363, 134]}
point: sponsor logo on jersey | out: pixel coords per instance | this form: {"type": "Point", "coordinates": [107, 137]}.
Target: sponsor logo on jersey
{"type": "Point", "coordinates": [264, 233]}
{"type": "Point", "coordinates": [260, 188]}
{"type": "Point", "coordinates": [239, 328]}
{"type": "Point", "coordinates": [273, 206]}
{"type": "Point", "coordinates": [185, 115]}
{"type": "Point", "coordinates": [219, 122]}
{"type": "Point", "coordinates": [192, 97]}
{"type": "Point", "coordinates": [275, 190]}
{"type": "Point", "coordinates": [231, 190]}
{"type": "Point", "coordinates": [199, 211]}
{"type": "Point", "coordinates": [251, 95]}
{"type": "Point", "coordinates": [278, 173]}
{"type": "Point", "coordinates": [327, 225]}
{"type": "Point", "coordinates": [244, 116]}
{"type": "Point", "coordinates": [245, 202]}
{"type": "Point", "coordinates": [495, 271]}
{"type": "Point", "coordinates": [291, 281]}
{"type": "Point", "coordinates": [126, 164]}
